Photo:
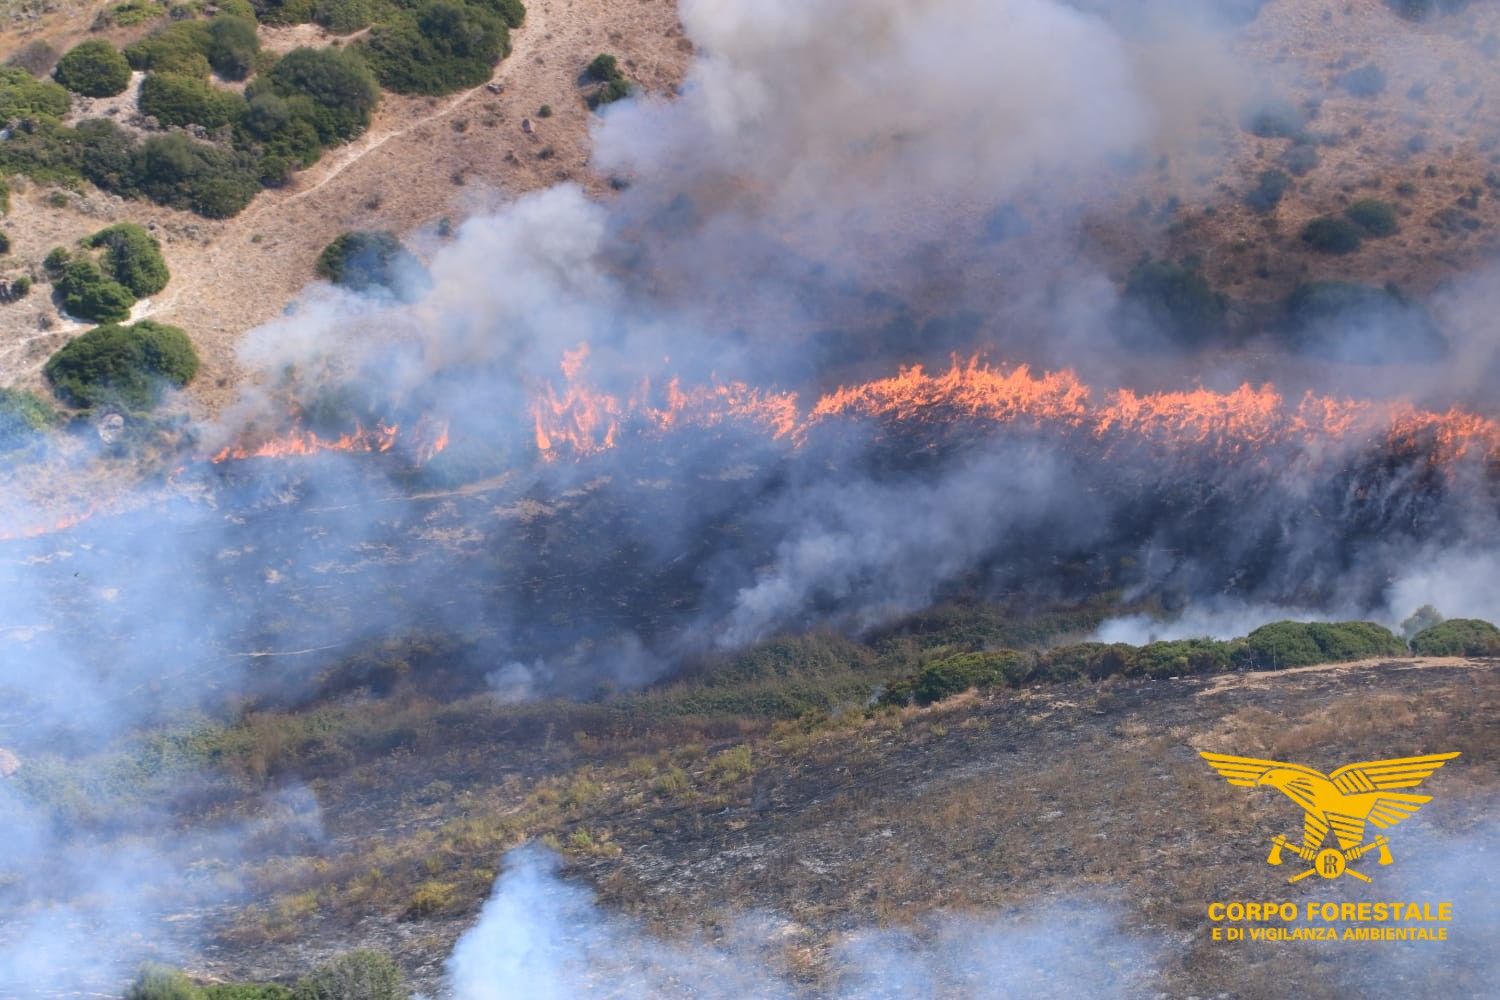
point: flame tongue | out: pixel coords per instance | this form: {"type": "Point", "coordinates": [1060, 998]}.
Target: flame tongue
{"type": "Point", "coordinates": [583, 421]}
{"type": "Point", "coordinates": [427, 439]}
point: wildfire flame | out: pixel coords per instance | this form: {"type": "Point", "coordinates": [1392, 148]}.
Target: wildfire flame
{"type": "Point", "coordinates": [581, 421]}
{"type": "Point", "coordinates": [61, 524]}
{"type": "Point", "coordinates": [427, 439]}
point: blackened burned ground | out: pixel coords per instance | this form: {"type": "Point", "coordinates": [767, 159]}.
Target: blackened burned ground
{"type": "Point", "coordinates": [983, 803]}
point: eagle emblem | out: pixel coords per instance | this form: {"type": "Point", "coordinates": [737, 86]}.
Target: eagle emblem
{"type": "Point", "coordinates": [1343, 803]}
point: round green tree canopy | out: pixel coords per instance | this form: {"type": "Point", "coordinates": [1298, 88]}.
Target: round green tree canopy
{"type": "Point", "coordinates": [93, 68]}
{"type": "Point", "coordinates": [130, 365]}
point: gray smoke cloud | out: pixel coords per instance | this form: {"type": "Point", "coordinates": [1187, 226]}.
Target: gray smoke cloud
{"type": "Point", "coordinates": [541, 936]}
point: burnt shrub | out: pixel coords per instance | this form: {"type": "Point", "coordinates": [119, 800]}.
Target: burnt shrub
{"type": "Point", "coordinates": [1458, 637]}
{"type": "Point", "coordinates": [1332, 235]}
{"type": "Point", "coordinates": [130, 365]}
{"type": "Point", "coordinates": [93, 68]}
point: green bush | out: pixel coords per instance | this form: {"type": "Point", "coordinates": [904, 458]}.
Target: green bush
{"type": "Point", "coordinates": [176, 171]}
{"type": "Point", "coordinates": [88, 293]}
{"type": "Point", "coordinates": [1458, 637]}
{"type": "Point", "coordinates": [247, 991]}
{"type": "Point", "coordinates": [1269, 189]}
{"type": "Point", "coordinates": [284, 12]}
{"type": "Point", "coordinates": [1175, 301]}
{"type": "Point", "coordinates": [1330, 235]}
{"type": "Point", "coordinates": [233, 46]}
{"type": "Point", "coordinates": [362, 260]}
{"type": "Point", "coordinates": [604, 68]}
{"type": "Point", "coordinates": [56, 260]}
{"type": "Point", "coordinates": [339, 89]}
{"type": "Point", "coordinates": [22, 96]}
{"type": "Point", "coordinates": [441, 47]}
{"type": "Point", "coordinates": [1091, 660]}
{"type": "Point", "coordinates": [1303, 644]}
{"type": "Point", "coordinates": [93, 68]}
{"type": "Point", "coordinates": [359, 975]}
{"type": "Point", "coordinates": [23, 415]}
{"type": "Point", "coordinates": [132, 257]}
{"type": "Point", "coordinates": [21, 287]}
{"type": "Point", "coordinates": [4, 243]}
{"type": "Point", "coordinates": [161, 982]}
{"type": "Point", "coordinates": [512, 12]}
{"type": "Point", "coordinates": [1375, 217]}
{"type": "Point", "coordinates": [1365, 81]}
{"type": "Point", "coordinates": [1180, 658]}
{"type": "Point", "coordinates": [343, 17]}
{"type": "Point", "coordinates": [180, 48]}
{"type": "Point", "coordinates": [185, 100]}
{"type": "Point", "coordinates": [954, 674]}
{"type": "Point", "coordinates": [122, 364]}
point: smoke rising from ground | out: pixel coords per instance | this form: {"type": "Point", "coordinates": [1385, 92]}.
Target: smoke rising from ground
{"type": "Point", "coordinates": [540, 936]}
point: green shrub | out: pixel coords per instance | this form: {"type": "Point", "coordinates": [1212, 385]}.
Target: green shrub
{"type": "Point", "coordinates": [176, 171]}
{"type": "Point", "coordinates": [1302, 644]}
{"type": "Point", "coordinates": [161, 982]}
{"type": "Point", "coordinates": [359, 975]}
{"type": "Point", "coordinates": [1375, 217]}
{"type": "Point", "coordinates": [186, 100]}
{"type": "Point", "coordinates": [1330, 235]}
{"type": "Point", "coordinates": [4, 243]}
{"type": "Point", "coordinates": [242, 9]}
{"type": "Point", "coordinates": [4, 197]}
{"type": "Point", "coordinates": [512, 12]}
{"type": "Point", "coordinates": [954, 674]}
{"type": "Point", "coordinates": [339, 89]}
{"type": "Point", "coordinates": [247, 991]}
{"type": "Point", "coordinates": [23, 96]}
{"type": "Point", "coordinates": [1175, 301]}
{"type": "Point", "coordinates": [23, 415]}
{"type": "Point", "coordinates": [123, 364]}
{"type": "Point", "coordinates": [1090, 660]}
{"type": "Point", "coordinates": [284, 12]}
{"type": "Point", "coordinates": [56, 260]}
{"type": "Point", "coordinates": [442, 47]}
{"type": "Point", "coordinates": [362, 260]}
{"type": "Point", "coordinates": [1364, 81]}
{"type": "Point", "coordinates": [132, 257]}
{"type": "Point", "coordinates": [1269, 189]}
{"type": "Point", "coordinates": [343, 17]}
{"type": "Point", "coordinates": [180, 48]}
{"type": "Point", "coordinates": [1458, 637]}
{"type": "Point", "coordinates": [604, 68]}
{"type": "Point", "coordinates": [88, 293]}
{"type": "Point", "coordinates": [1180, 658]}
{"type": "Point", "coordinates": [21, 287]}
{"type": "Point", "coordinates": [93, 68]}
{"type": "Point", "coordinates": [233, 46]}
{"type": "Point", "coordinates": [126, 15]}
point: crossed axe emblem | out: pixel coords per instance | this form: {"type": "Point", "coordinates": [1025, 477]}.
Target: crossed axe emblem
{"type": "Point", "coordinates": [1330, 863]}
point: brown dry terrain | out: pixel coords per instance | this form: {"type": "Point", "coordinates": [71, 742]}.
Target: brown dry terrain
{"type": "Point", "coordinates": [421, 159]}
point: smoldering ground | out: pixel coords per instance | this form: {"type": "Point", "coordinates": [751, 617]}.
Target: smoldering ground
{"type": "Point", "coordinates": [840, 188]}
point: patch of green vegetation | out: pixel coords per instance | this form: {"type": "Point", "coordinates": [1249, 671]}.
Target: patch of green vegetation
{"type": "Point", "coordinates": [1176, 302]}
{"type": "Point", "coordinates": [23, 417]}
{"type": "Point", "coordinates": [132, 256]}
{"type": "Point", "coordinates": [344, 17]}
{"type": "Point", "coordinates": [185, 100]}
{"type": "Point", "coordinates": [512, 12]}
{"type": "Point", "coordinates": [364, 260]}
{"type": "Point", "coordinates": [281, 13]}
{"type": "Point", "coordinates": [88, 293]}
{"type": "Point", "coordinates": [1302, 644]}
{"type": "Point", "coordinates": [438, 48]}
{"type": "Point", "coordinates": [1363, 81]}
{"type": "Point", "coordinates": [128, 15]}
{"type": "Point", "coordinates": [93, 68]}
{"type": "Point", "coordinates": [1332, 235]}
{"type": "Point", "coordinates": [1458, 637]}
{"type": "Point", "coordinates": [1377, 218]}
{"type": "Point", "coordinates": [23, 97]}
{"type": "Point", "coordinates": [130, 365]}
{"type": "Point", "coordinates": [359, 975]}
{"type": "Point", "coordinates": [233, 46]}
{"type": "Point", "coordinates": [180, 48]}
{"type": "Point", "coordinates": [1269, 189]}
{"type": "Point", "coordinates": [953, 674]}
{"type": "Point", "coordinates": [333, 89]}
{"type": "Point", "coordinates": [612, 86]}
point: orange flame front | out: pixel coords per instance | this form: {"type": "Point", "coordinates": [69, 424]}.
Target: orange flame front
{"type": "Point", "coordinates": [429, 438]}
{"type": "Point", "coordinates": [581, 421]}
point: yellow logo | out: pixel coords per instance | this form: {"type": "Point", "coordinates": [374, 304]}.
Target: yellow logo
{"type": "Point", "coordinates": [1343, 802]}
